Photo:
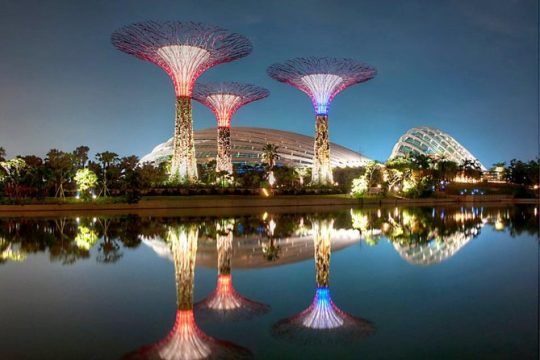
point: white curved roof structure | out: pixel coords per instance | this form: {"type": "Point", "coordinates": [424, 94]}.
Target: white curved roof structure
{"type": "Point", "coordinates": [430, 141]}
{"type": "Point", "coordinates": [246, 144]}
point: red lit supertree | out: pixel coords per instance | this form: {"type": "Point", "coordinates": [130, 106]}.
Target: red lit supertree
{"type": "Point", "coordinates": [323, 320]}
{"type": "Point", "coordinates": [186, 340]}
{"type": "Point", "coordinates": [321, 78]}
{"type": "Point", "coordinates": [224, 99]}
{"type": "Point", "coordinates": [184, 50]}
{"type": "Point", "coordinates": [225, 302]}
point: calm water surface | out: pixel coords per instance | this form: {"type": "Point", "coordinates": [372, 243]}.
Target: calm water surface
{"type": "Point", "coordinates": [390, 283]}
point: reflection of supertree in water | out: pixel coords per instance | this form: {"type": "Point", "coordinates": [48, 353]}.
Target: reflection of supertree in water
{"type": "Point", "coordinates": [184, 51]}
{"type": "Point", "coordinates": [323, 317]}
{"type": "Point", "coordinates": [321, 79]}
{"type": "Point", "coordinates": [224, 99]}
{"type": "Point", "coordinates": [185, 340]}
{"type": "Point", "coordinates": [225, 301]}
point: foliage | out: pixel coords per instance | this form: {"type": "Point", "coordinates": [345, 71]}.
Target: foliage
{"type": "Point", "coordinates": [86, 181]}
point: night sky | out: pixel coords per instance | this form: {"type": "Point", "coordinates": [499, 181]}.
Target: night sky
{"type": "Point", "coordinates": [468, 67]}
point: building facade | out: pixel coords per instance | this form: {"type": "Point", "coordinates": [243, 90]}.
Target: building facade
{"type": "Point", "coordinates": [294, 149]}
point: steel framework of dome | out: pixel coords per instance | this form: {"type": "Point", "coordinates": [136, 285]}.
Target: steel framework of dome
{"type": "Point", "coordinates": [294, 149]}
{"type": "Point", "coordinates": [430, 141]}
{"type": "Point", "coordinates": [224, 99]}
{"type": "Point", "coordinates": [321, 78]}
{"type": "Point", "coordinates": [184, 50]}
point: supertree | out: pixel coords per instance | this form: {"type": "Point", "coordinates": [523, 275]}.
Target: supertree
{"type": "Point", "coordinates": [321, 78]}
{"type": "Point", "coordinates": [186, 340]}
{"type": "Point", "coordinates": [224, 99]}
{"type": "Point", "coordinates": [184, 50]}
{"type": "Point", "coordinates": [323, 320]}
{"type": "Point", "coordinates": [225, 302]}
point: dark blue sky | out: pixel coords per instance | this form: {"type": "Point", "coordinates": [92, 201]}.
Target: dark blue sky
{"type": "Point", "coordinates": [468, 67]}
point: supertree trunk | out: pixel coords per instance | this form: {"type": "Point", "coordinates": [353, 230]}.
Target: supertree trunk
{"type": "Point", "coordinates": [183, 242]}
{"type": "Point", "coordinates": [184, 162]}
{"type": "Point", "coordinates": [322, 171]}
{"type": "Point", "coordinates": [224, 158]}
{"type": "Point", "coordinates": [224, 250]}
{"type": "Point", "coordinates": [322, 232]}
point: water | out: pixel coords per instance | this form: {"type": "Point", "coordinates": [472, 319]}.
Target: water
{"type": "Point", "coordinates": [424, 283]}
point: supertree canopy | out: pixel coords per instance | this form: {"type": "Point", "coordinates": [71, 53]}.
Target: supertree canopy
{"type": "Point", "coordinates": [225, 302]}
{"type": "Point", "coordinates": [321, 78]}
{"type": "Point", "coordinates": [224, 99]}
{"type": "Point", "coordinates": [323, 320]}
{"type": "Point", "coordinates": [184, 50]}
{"type": "Point", "coordinates": [186, 340]}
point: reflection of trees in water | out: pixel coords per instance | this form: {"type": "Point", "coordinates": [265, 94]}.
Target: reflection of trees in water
{"type": "Point", "coordinates": [323, 321]}
{"type": "Point", "coordinates": [68, 241]}
{"type": "Point", "coordinates": [186, 340]}
{"type": "Point", "coordinates": [225, 302]}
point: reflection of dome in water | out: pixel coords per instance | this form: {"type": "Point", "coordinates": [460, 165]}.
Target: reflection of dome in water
{"type": "Point", "coordinates": [434, 251]}
{"type": "Point", "coordinates": [248, 249]}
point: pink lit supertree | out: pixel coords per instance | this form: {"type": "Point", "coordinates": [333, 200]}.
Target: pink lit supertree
{"type": "Point", "coordinates": [225, 302]}
{"type": "Point", "coordinates": [323, 320]}
{"type": "Point", "coordinates": [224, 99]}
{"type": "Point", "coordinates": [184, 50]}
{"type": "Point", "coordinates": [321, 78]}
{"type": "Point", "coordinates": [186, 341]}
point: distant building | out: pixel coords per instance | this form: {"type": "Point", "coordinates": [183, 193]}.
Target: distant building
{"type": "Point", "coordinates": [430, 141]}
{"type": "Point", "coordinates": [295, 150]}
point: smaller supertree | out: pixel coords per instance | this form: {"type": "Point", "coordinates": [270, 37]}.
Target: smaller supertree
{"type": "Point", "coordinates": [225, 301]}
{"type": "Point", "coordinates": [323, 320]}
{"type": "Point", "coordinates": [321, 78]}
{"type": "Point", "coordinates": [224, 99]}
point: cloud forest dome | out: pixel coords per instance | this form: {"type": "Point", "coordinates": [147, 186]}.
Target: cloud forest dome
{"type": "Point", "coordinates": [246, 147]}
{"type": "Point", "coordinates": [430, 141]}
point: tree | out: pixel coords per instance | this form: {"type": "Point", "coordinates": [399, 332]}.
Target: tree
{"type": "Point", "coordinates": [61, 168]}
{"type": "Point", "coordinates": [106, 159]}
{"type": "Point", "coordinates": [2, 154]}
{"type": "Point", "coordinates": [470, 169]}
{"type": "Point", "coordinates": [270, 155]}
{"type": "Point", "coordinates": [86, 181]}
{"type": "Point", "coordinates": [13, 170]}
{"type": "Point", "coordinates": [80, 156]}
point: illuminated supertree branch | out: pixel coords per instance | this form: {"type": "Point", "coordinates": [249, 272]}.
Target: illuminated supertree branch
{"type": "Point", "coordinates": [184, 50]}
{"type": "Point", "coordinates": [225, 301]}
{"type": "Point", "coordinates": [323, 317]}
{"type": "Point", "coordinates": [224, 99]}
{"type": "Point", "coordinates": [321, 79]}
{"type": "Point", "coordinates": [186, 340]}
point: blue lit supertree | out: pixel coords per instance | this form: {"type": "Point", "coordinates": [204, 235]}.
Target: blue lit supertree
{"type": "Point", "coordinates": [224, 99]}
{"type": "Point", "coordinates": [323, 320]}
{"type": "Point", "coordinates": [184, 50]}
{"type": "Point", "coordinates": [321, 78]}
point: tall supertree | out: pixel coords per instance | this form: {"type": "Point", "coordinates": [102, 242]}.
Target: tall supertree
{"type": "Point", "coordinates": [186, 340]}
{"type": "Point", "coordinates": [225, 302]}
{"type": "Point", "coordinates": [323, 320]}
{"type": "Point", "coordinates": [224, 99]}
{"type": "Point", "coordinates": [184, 50]}
{"type": "Point", "coordinates": [321, 78]}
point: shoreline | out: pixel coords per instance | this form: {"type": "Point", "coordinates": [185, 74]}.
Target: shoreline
{"type": "Point", "coordinates": [236, 204]}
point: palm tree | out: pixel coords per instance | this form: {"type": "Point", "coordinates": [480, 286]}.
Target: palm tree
{"type": "Point", "coordinates": [270, 155]}
{"type": "Point", "coordinates": [80, 156]}
{"type": "Point", "coordinates": [106, 159]}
